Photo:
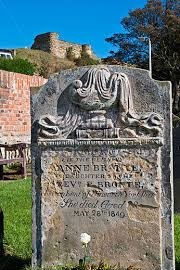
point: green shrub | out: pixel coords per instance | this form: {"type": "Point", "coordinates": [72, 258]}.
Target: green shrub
{"type": "Point", "coordinates": [86, 60]}
{"type": "Point", "coordinates": [17, 65]}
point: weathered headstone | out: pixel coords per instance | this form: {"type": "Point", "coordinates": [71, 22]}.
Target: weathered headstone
{"type": "Point", "coordinates": [101, 151]}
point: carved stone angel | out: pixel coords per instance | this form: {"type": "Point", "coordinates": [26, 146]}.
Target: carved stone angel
{"type": "Point", "coordinates": [84, 105]}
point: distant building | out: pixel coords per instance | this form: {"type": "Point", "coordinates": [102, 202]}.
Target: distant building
{"type": "Point", "coordinates": [49, 42]}
{"type": "Point", "coordinates": [7, 54]}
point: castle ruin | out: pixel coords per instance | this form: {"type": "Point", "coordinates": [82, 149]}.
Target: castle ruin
{"type": "Point", "coordinates": [49, 42]}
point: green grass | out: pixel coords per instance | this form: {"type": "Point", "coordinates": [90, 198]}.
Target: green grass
{"type": "Point", "coordinates": [177, 238]}
{"type": "Point", "coordinates": [15, 200]}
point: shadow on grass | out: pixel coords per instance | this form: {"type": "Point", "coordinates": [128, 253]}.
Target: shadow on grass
{"type": "Point", "coordinates": [177, 266]}
{"type": "Point", "coordinates": [8, 262]}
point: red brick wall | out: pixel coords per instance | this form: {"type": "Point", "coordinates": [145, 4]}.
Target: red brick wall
{"type": "Point", "coordinates": [15, 120]}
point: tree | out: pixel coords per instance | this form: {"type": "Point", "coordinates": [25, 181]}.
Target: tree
{"type": "Point", "coordinates": [159, 20]}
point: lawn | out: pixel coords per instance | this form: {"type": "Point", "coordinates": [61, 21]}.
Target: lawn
{"type": "Point", "coordinates": [177, 239]}
{"type": "Point", "coordinates": [15, 200]}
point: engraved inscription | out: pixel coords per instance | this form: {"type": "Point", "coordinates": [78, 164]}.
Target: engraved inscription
{"type": "Point", "coordinates": [100, 182]}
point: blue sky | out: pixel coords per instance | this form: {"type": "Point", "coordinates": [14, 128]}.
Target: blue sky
{"type": "Point", "coordinates": [80, 21]}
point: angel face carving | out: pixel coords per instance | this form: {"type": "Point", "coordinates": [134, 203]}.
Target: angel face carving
{"type": "Point", "coordinates": [83, 107]}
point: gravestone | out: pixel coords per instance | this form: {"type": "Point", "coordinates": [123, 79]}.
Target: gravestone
{"type": "Point", "coordinates": [101, 154]}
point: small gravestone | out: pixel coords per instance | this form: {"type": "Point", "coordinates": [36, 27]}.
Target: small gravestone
{"type": "Point", "coordinates": [1, 232]}
{"type": "Point", "coordinates": [101, 152]}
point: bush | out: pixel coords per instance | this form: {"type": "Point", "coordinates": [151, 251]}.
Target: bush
{"type": "Point", "coordinates": [17, 65]}
{"type": "Point", "coordinates": [86, 60]}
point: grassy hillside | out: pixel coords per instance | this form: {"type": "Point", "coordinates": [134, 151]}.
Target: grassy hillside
{"type": "Point", "coordinates": [45, 63]}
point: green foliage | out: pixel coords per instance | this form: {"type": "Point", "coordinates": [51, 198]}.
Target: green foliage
{"type": "Point", "coordinates": [159, 20]}
{"type": "Point", "coordinates": [17, 65]}
{"type": "Point", "coordinates": [45, 63]}
{"type": "Point", "coordinates": [86, 60]}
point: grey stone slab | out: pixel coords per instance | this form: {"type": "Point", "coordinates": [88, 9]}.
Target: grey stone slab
{"type": "Point", "coordinates": [102, 164]}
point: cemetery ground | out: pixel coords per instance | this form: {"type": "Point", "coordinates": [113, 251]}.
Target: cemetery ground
{"type": "Point", "coordinates": [15, 200]}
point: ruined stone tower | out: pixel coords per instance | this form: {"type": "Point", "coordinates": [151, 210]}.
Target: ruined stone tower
{"type": "Point", "coordinates": [49, 42]}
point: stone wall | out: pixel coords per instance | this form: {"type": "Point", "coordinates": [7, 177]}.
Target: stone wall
{"type": "Point", "coordinates": [50, 43]}
{"type": "Point", "coordinates": [15, 122]}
